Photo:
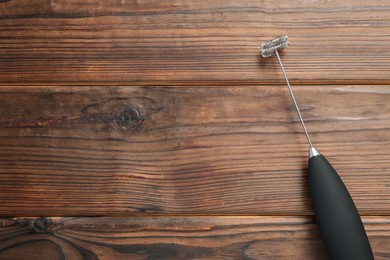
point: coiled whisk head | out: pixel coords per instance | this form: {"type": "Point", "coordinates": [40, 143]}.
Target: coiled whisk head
{"type": "Point", "coordinates": [268, 48]}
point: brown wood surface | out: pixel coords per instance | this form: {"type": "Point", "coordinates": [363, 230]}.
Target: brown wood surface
{"type": "Point", "coordinates": [154, 120]}
{"type": "Point", "coordinates": [174, 238]}
{"type": "Point", "coordinates": [191, 42]}
{"type": "Point", "coordinates": [220, 150]}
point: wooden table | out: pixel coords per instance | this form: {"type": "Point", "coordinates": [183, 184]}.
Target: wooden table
{"type": "Point", "coordinates": [154, 129]}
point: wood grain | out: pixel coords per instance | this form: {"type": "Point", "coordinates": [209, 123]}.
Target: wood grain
{"type": "Point", "coordinates": [192, 42]}
{"type": "Point", "coordinates": [163, 114]}
{"type": "Point", "coordinates": [82, 151]}
{"type": "Point", "coordinates": [174, 238]}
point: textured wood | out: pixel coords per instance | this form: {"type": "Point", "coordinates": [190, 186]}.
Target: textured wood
{"type": "Point", "coordinates": [218, 150]}
{"type": "Point", "coordinates": [192, 42]}
{"type": "Point", "coordinates": [192, 136]}
{"type": "Point", "coordinates": [174, 238]}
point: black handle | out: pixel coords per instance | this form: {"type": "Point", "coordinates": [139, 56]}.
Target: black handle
{"type": "Point", "coordinates": [337, 217]}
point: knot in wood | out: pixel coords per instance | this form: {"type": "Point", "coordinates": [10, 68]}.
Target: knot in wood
{"type": "Point", "coordinates": [129, 118]}
{"type": "Point", "coordinates": [38, 225]}
{"type": "Point", "coordinates": [125, 118]}
{"type": "Point", "coordinates": [42, 225]}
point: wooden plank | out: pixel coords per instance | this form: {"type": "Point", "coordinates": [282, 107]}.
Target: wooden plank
{"type": "Point", "coordinates": [192, 42]}
{"type": "Point", "coordinates": [71, 151]}
{"type": "Point", "coordinates": [175, 238]}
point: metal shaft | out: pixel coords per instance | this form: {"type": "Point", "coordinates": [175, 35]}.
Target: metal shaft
{"type": "Point", "coordinates": [293, 99]}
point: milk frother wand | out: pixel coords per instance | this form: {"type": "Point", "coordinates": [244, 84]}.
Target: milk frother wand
{"type": "Point", "coordinates": [336, 215]}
